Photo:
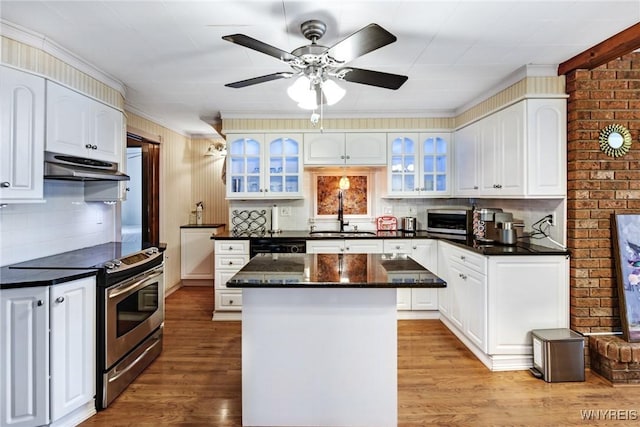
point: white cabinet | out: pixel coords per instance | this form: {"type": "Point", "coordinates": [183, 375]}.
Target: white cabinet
{"type": "Point", "coordinates": [22, 101]}
{"type": "Point", "coordinates": [73, 341]}
{"type": "Point", "coordinates": [196, 255]}
{"type": "Point", "coordinates": [230, 256]}
{"type": "Point", "coordinates": [48, 358]}
{"type": "Point", "coordinates": [264, 166]}
{"type": "Point", "coordinates": [424, 251]}
{"type": "Point", "coordinates": [525, 293]}
{"type": "Point", "coordinates": [81, 126]}
{"type": "Point", "coordinates": [339, 149]}
{"type": "Point", "coordinates": [519, 151]}
{"type": "Point", "coordinates": [464, 301]}
{"type": "Point", "coordinates": [502, 152]}
{"type": "Point", "coordinates": [337, 246]}
{"type": "Point", "coordinates": [493, 302]}
{"type": "Point", "coordinates": [467, 161]}
{"type": "Point", "coordinates": [419, 164]}
{"type": "Point", "coordinates": [25, 356]}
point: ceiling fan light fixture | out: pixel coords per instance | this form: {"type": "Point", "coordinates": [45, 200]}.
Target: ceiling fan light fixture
{"type": "Point", "coordinates": [332, 92]}
{"type": "Point", "coordinates": [299, 90]}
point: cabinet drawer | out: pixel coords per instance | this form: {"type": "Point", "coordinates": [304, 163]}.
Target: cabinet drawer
{"type": "Point", "coordinates": [232, 247]}
{"type": "Point", "coordinates": [397, 246]}
{"type": "Point", "coordinates": [231, 262]}
{"type": "Point", "coordinates": [231, 300]}
{"type": "Point", "coordinates": [222, 277]}
{"type": "Point", "coordinates": [469, 259]}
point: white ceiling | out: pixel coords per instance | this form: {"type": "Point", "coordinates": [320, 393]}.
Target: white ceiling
{"type": "Point", "coordinates": [171, 59]}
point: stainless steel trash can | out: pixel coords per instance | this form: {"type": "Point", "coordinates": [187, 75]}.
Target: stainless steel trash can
{"type": "Point", "coordinates": [558, 355]}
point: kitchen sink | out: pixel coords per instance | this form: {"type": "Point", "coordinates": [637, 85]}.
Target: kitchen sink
{"type": "Point", "coordinates": [340, 234]}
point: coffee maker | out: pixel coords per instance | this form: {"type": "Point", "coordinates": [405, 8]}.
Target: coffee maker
{"type": "Point", "coordinates": [497, 227]}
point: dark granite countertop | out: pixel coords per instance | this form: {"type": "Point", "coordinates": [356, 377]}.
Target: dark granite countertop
{"type": "Point", "coordinates": [466, 242]}
{"type": "Point", "coordinates": [334, 271]}
{"type": "Point", "coordinates": [23, 278]}
{"type": "Point", "coordinates": [203, 225]}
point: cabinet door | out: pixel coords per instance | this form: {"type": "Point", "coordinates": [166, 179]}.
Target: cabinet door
{"type": "Point", "coordinates": [403, 299]}
{"type": "Point", "coordinates": [67, 121]}
{"type": "Point", "coordinates": [467, 172]}
{"type": "Point", "coordinates": [283, 166]}
{"type": "Point", "coordinates": [21, 136]}
{"type": "Point", "coordinates": [402, 167]}
{"type": "Point", "coordinates": [435, 160]}
{"type": "Point", "coordinates": [456, 295]}
{"type": "Point", "coordinates": [366, 149]}
{"type": "Point", "coordinates": [324, 149]}
{"type": "Point", "coordinates": [196, 253]}
{"type": "Point", "coordinates": [24, 359]}
{"type": "Point", "coordinates": [322, 246]}
{"type": "Point", "coordinates": [547, 147]}
{"type": "Point", "coordinates": [510, 151]}
{"type": "Point", "coordinates": [475, 308]}
{"type": "Point", "coordinates": [363, 246]}
{"type": "Point", "coordinates": [107, 133]}
{"type": "Point", "coordinates": [73, 326]}
{"type": "Point", "coordinates": [489, 162]}
{"type": "Point", "coordinates": [245, 177]}
{"type": "Point", "coordinates": [425, 252]}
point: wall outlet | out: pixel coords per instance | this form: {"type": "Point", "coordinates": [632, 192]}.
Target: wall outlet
{"type": "Point", "coordinates": [285, 210]}
{"type": "Point", "coordinates": [413, 210]}
{"type": "Point", "coordinates": [388, 210]}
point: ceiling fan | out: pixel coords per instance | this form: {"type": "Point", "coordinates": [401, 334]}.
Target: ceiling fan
{"type": "Point", "coordinates": [316, 64]}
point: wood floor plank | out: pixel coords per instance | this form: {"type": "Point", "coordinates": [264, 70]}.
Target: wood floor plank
{"type": "Point", "coordinates": [196, 381]}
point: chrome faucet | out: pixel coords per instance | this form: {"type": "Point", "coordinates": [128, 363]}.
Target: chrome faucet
{"type": "Point", "coordinates": [341, 212]}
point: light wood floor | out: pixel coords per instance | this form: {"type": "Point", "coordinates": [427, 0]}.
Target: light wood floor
{"type": "Point", "coordinates": [196, 381]}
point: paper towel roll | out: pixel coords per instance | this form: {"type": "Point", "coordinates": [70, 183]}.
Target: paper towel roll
{"type": "Point", "coordinates": [275, 226]}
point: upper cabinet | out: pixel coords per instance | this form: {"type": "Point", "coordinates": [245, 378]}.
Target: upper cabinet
{"type": "Point", "coordinates": [340, 149]}
{"type": "Point", "coordinates": [264, 166]}
{"type": "Point", "coordinates": [419, 164]}
{"type": "Point", "coordinates": [519, 151]}
{"type": "Point", "coordinates": [81, 126]}
{"type": "Point", "coordinates": [22, 100]}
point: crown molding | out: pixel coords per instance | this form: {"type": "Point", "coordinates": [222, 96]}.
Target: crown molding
{"type": "Point", "coordinates": [39, 41]}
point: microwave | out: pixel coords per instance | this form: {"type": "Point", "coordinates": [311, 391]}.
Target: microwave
{"type": "Point", "coordinates": [450, 221]}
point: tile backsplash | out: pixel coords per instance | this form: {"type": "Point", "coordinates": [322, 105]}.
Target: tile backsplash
{"type": "Point", "coordinates": [63, 223]}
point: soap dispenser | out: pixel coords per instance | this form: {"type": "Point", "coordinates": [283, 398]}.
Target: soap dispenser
{"type": "Point", "coordinates": [199, 208]}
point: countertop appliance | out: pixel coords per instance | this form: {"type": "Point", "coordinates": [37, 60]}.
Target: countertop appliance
{"type": "Point", "coordinates": [386, 223]}
{"type": "Point", "coordinates": [558, 355]}
{"type": "Point", "coordinates": [409, 224]}
{"type": "Point", "coordinates": [449, 221]}
{"type": "Point", "coordinates": [266, 245]}
{"type": "Point", "coordinates": [129, 309]}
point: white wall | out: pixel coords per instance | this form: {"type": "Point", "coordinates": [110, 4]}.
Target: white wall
{"type": "Point", "coordinates": [63, 223]}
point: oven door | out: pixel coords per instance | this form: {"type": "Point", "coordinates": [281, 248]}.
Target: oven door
{"type": "Point", "coordinates": [134, 308]}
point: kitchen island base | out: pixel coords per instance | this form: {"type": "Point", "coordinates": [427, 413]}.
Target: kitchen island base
{"type": "Point", "coordinates": [319, 357]}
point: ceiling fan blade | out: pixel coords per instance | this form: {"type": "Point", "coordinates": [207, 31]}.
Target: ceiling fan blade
{"type": "Point", "coordinates": [251, 43]}
{"type": "Point", "coordinates": [363, 41]}
{"type": "Point", "coordinates": [372, 78]}
{"type": "Point", "coordinates": [261, 79]}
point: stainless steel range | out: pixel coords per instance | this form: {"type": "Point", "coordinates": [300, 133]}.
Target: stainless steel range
{"type": "Point", "coordinates": [130, 321]}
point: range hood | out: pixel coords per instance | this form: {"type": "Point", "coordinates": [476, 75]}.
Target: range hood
{"type": "Point", "coordinates": [72, 168]}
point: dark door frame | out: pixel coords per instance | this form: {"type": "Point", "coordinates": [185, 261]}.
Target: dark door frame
{"type": "Point", "coordinates": [150, 186]}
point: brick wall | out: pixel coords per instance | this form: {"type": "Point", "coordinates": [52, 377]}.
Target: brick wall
{"type": "Point", "coordinates": [599, 185]}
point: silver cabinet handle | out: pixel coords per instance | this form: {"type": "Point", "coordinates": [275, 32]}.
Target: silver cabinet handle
{"type": "Point", "coordinates": [342, 157]}
{"type": "Point", "coordinates": [5, 185]}
{"type": "Point", "coordinates": [40, 303]}
{"type": "Point", "coordinates": [60, 299]}
{"type": "Point", "coordinates": [475, 187]}
{"type": "Point", "coordinates": [230, 262]}
{"type": "Point", "coordinates": [94, 147]}
{"type": "Point", "coordinates": [88, 146]}
{"type": "Point", "coordinates": [230, 302]}
{"type": "Point", "coordinates": [463, 276]}
{"type": "Point", "coordinates": [462, 257]}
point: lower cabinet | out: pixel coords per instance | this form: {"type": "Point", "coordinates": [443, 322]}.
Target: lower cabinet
{"type": "Point", "coordinates": [48, 356]}
{"type": "Point", "coordinates": [340, 246]}
{"type": "Point", "coordinates": [230, 256]}
{"type": "Point", "coordinates": [196, 255]}
{"type": "Point", "coordinates": [493, 302]}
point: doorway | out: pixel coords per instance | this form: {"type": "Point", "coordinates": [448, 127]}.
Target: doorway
{"type": "Point", "coordinates": [140, 214]}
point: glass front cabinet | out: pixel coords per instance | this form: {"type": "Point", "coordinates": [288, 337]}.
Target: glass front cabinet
{"type": "Point", "coordinates": [419, 164]}
{"type": "Point", "coordinates": [264, 166]}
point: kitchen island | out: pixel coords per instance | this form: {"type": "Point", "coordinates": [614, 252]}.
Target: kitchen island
{"type": "Point", "coordinates": [319, 337]}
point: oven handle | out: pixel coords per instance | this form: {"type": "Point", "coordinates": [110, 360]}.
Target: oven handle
{"type": "Point", "coordinates": [135, 362]}
{"type": "Point", "coordinates": [119, 292]}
